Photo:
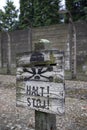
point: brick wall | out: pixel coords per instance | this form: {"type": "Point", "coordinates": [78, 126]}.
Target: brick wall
{"type": "Point", "coordinates": [81, 32]}
{"type": "Point", "coordinates": [57, 34]}
{"type": "Point", "coordinates": [19, 43]}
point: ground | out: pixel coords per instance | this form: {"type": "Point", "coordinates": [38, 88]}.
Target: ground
{"type": "Point", "coordinates": [15, 118]}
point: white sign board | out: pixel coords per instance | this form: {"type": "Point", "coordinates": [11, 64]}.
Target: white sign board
{"type": "Point", "coordinates": [40, 84]}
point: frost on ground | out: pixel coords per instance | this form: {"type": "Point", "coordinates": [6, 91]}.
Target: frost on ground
{"type": "Point", "coordinates": [15, 118]}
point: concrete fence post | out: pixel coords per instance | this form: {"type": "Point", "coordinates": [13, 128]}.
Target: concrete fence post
{"type": "Point", "coordinates": [8, 54]}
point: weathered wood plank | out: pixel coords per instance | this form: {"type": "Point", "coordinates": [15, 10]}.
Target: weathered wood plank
{"type": "Point", "coordinates": [40, 82]}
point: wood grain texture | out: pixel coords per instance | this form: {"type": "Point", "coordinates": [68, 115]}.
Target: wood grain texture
{"type": "Point", "coordinates": [40, 85]}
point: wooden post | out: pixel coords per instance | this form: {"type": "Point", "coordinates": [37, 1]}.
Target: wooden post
{"type": "Point", "coordinates": [45, 121]}
{"type": "Point", "coordinates": [43, 90]}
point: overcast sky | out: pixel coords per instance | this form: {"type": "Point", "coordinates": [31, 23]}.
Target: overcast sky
{"type": "Point", "coordinates": [16, 3]}
{"type": "Point", "coordinates": [3, 3]}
